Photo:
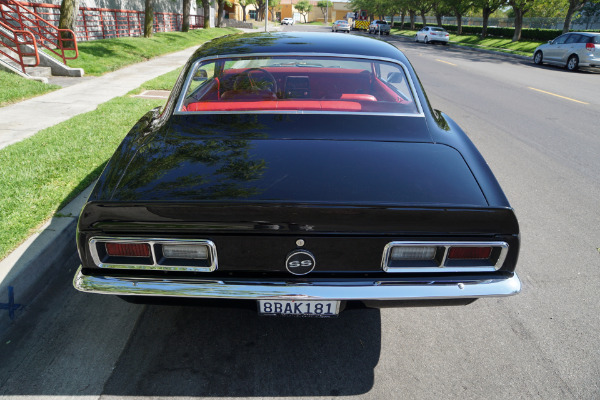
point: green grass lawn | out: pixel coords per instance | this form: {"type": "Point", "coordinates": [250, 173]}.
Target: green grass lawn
{"type": "Point", "coordinates": [97, 57]}
{"type": "Point", "coordinates": [14, 88]}
{"type": "Point", "coordinates": [490, 43]}
{"type": "Point", "coordinates": [68, 157]}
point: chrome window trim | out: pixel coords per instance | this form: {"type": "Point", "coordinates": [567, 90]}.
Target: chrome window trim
{"type": "Point", "coordinates": [442, 266]}
{"type": "Point", "coordinates": [186, 85]}
{"type": "Point", "coordinates": [212, 254]}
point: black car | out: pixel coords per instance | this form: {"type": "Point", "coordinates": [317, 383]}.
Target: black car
{"type": "Point", "coordinates": [302, 171]}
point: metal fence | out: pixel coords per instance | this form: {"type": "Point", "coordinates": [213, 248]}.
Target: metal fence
{"type": "Point", "coordinates": [581, 23]}
{"type": "Point", "coordinates": [103, 23]}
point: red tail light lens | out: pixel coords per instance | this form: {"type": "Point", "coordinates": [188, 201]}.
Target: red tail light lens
{"type": "Point", "coordinates": [469, 253]}
{"type": "Point", "coordinates": [590, 47]}
{"type": "Point", "coordinates": [128, 249]}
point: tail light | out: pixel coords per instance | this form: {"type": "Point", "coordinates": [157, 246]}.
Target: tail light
{"type": "Point", "coordinates": [590, 46]}
{"type": "Point", "coordinates": [128, 249]}
{"type": "Point", "coordinates": [196, 255]}
{"type": "Point", "coordinates": [469, 253]}
{"type": "Point", "coordinates": [416, 257]}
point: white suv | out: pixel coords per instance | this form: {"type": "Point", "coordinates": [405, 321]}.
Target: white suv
{"type": "Point", "coordinates": [287, 21]}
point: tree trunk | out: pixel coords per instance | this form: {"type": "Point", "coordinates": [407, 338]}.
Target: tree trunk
{"type": "Point", "coordinates": [573, 6]}
{"type": "Point", "coordinates": [423, 17]}
{"type": "Point", "coordinates": [438, 17]}
{"type": "Point", "coordinates": [68, 16]}
{"type": "Point", "coordinates": [486, 16]}
{"type": "Point", "coordinates": [244, 12]}
{"type": "Point", "coordinates": [458, 24]}
{"type": "Point", "coordinates": [412, 13]}
{"type": "Point", "coordinates": [402, 17]}
{"type": "Point", "coordinates": [518, 24]}
{"type": "Point", "coordinates": [206, 10]}
{"type": "Point", "coordinates": [220, 13]}
{"type": "Point", "coordinates": [148, 19]}
{"type": "Point", "coordinates": [185, 22]}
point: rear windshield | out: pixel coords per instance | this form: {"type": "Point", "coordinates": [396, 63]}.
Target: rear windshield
{"type": "Point", "coordinates": [298, 84]}
{"type": "Point", "coordinates": [438, 29]}
{"type": "Point", "coordinates": [595, 39]}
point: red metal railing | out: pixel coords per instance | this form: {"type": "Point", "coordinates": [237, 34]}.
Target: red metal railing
{"type": "Point", "coordinates": [11, 46]}
{"type": "Point", "coordinates": [104, 23]}
{"type": "Point", "coordinates": [46, 34]}
{"type": "Point", "coordinates": [196, 21]}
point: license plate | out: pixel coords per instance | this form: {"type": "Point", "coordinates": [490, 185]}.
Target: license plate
{"type": "Point", "coordinates": [303, 308]}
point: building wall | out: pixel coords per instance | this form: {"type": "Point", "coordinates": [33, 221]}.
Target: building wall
{"type": "Point", "coordinates": [172, 6]}
{"type": "Point", "coordinates": [286, 10]}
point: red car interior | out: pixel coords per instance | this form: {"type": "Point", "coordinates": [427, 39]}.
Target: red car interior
{"type": "Point", "coordinates": [301, 88]}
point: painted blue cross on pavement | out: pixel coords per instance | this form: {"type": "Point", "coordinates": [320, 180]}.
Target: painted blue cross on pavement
{"type": "Point", "coordinates": [10, 306]}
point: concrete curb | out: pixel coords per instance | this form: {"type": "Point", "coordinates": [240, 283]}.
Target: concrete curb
{"type": "Point", "coordinates": [27, 266]}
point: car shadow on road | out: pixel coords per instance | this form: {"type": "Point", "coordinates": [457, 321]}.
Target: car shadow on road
{"type": "Point", "coordinates": [222, 352]}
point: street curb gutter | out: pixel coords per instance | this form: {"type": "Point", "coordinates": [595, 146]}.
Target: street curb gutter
{"type": "Point", "coordinates": [47, 250]}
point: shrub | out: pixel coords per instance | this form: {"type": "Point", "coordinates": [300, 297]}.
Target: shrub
{"type": "Point", "coordinates": [534, 34]}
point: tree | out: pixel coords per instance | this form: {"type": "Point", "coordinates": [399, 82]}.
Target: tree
{"type": "Point", "coordinates": [148, 19]}
{"type": "Point", "coordinates": [459, 8]}
{"type": "Point", "coordinates": [325, 6]}
{"type": "Point", "coordinates": [220, 13]}
{"type": "Point", "coordinates": [68, 16]}
{"type": "Point", "coordinates": [440, 9]}
{"type": "Point", "coordinates": [488, 7]}
{"type": "Point", "coordinates": [589, 14]}
{"type": "Point", "coordinates": [205, 4]}
{"type": "Point", "coordinates": [244, 4]}
{"type": "Point", "coordinates": [574, 5]}
{"type": "Point", "coordinates": [260, 11]}
{"type": "Point", "coordinates": [424, 6]}
{"type": "Point", "coordinates": [520, 8]}
{"type": "Point", "coordinates": [412, 15]}
{"type": "Point", "coordinates": [304, 7]}
{"type": "Point", "coordinates": [273, 4]}
{"type": "Point", "coordinates": [185, 20]}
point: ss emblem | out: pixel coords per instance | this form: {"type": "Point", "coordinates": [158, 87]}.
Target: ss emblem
{"type": "Point", "coordinates": [300, 262]}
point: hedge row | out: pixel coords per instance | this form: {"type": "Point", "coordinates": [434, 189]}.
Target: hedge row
{"type": "Point", "coordinates": [541, 35]}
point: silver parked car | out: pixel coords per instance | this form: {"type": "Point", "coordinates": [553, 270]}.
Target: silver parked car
{"type": "Point", "coordinates": [431, 34]}
{"type": "Point", "coordinates": [287, 21]}
{"type": "Point", "coordinates": [379, 26]}
{"type": "Point", "coordinates": [340, 25]}
{"type": "Point", "coordinates": [571, 50]}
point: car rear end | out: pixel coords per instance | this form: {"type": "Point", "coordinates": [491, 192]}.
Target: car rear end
{"type": "Point", "coordinates": [343, 26]}
{"type": "Point", "coordinates": [439, 35]}
{"type": "Point", "coordinates": [271, 201]}
{"type": "Point", "coordinates": [589, 52]}
{"type": "Point", "coordinates": [380, 27]}
{"type": "Point", "coordinates": [296, 223]}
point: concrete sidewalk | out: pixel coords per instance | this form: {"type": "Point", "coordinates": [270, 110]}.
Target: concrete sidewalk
{"type": "Point", "coordinates": [25, 119]}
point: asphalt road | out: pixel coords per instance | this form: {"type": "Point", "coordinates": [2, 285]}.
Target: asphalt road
{"type": "Point", "coordinates": [543, 343]}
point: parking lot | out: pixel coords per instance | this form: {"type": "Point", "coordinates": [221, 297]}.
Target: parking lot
{"type": "Point", "coordinates": [535, 126]}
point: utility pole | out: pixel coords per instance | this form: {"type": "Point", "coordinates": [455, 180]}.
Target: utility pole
{"type": "Point", "coordinates": [267, 16]}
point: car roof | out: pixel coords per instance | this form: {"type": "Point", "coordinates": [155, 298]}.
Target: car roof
{"type": "Point", "coordinates": [582, 33]}
{"type": "Point", "coordinates": [298, 43]}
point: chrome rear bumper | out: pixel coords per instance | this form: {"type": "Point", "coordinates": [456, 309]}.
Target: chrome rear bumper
{"type": "Point", "coordinates": [339, 290]}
